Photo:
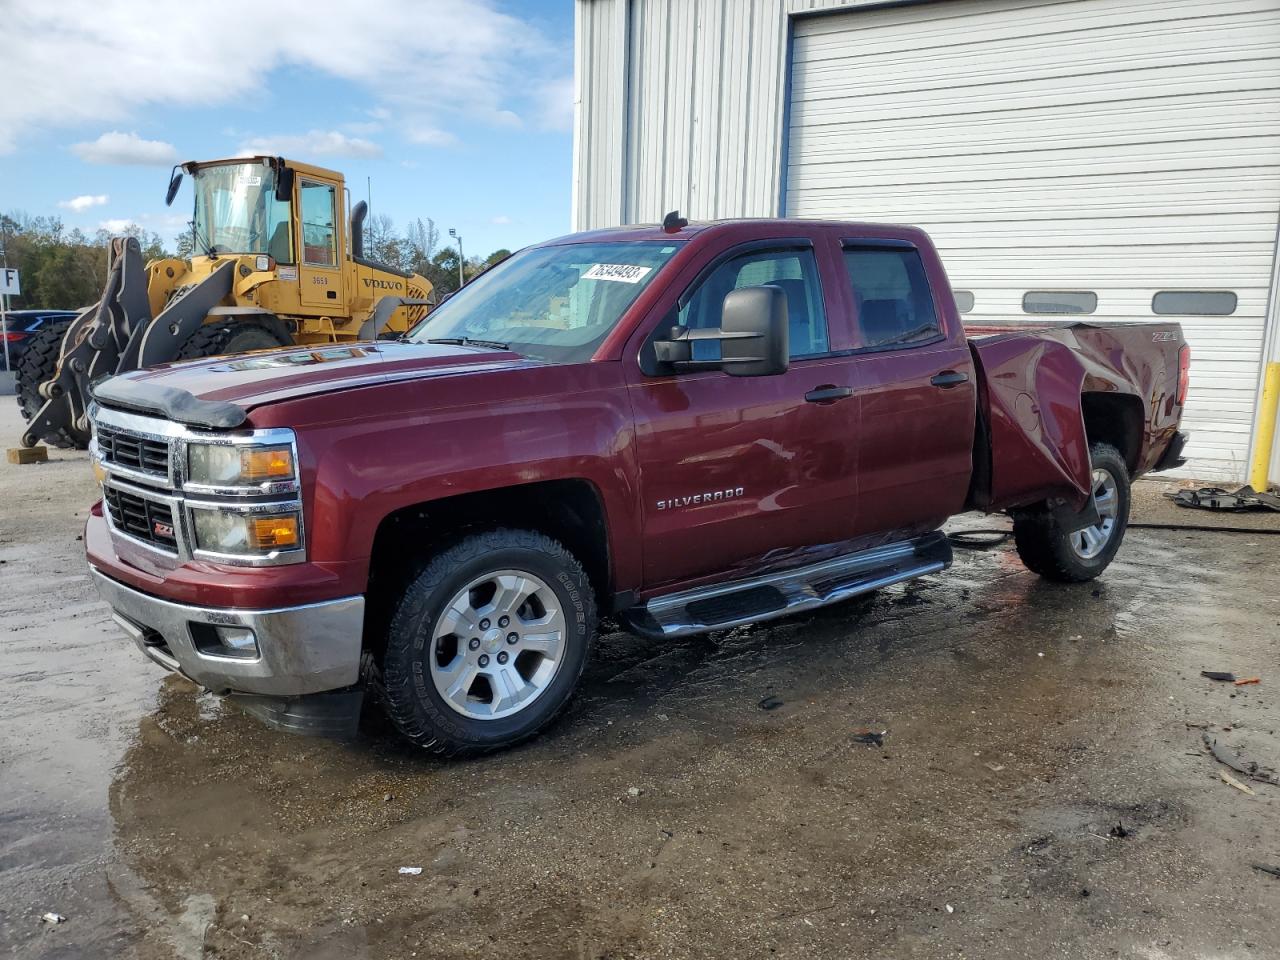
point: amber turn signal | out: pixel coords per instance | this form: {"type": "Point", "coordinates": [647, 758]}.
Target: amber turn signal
{"type": "Point", "coordinates": [268, 463]}
{"type": "Point", "coordinates": [272, 533]}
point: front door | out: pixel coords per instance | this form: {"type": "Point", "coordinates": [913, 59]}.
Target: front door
{"type": "Point", "coordinates": [740, 470]}
{"type": "Point", "coordinates": [320, 260]}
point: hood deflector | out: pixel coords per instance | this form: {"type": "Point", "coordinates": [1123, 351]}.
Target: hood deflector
{"type": "Point", "coordinates": [169, 402]}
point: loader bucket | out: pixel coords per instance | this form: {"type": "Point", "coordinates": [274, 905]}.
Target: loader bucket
{"type": "Point", "coordinates": [116, 335]}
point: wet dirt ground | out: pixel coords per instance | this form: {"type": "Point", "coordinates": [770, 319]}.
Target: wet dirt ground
{"type": "Point", "coordinates": [1042, 789]}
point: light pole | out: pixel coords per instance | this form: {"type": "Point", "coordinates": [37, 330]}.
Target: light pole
{"type": "Point", "coordinates": [454, 233]}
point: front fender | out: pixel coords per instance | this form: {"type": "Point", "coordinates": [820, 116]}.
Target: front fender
{"type": "Point", "coordinates": [402, 451]}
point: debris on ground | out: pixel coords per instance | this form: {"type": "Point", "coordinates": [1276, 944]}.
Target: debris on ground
{"type": "Point", "coordinates": [770, 703]}
{"type": "Point", "coordinates": [411, 871]}
{"type": "Point", "coordinates": [1038, 844]}
{"type": "Point", "coordinates": [1217, 498]}
{"type": "Point", "coordinates": [1250, 768]}
{"type": "Point", "coordinates": [950, 908]}
{"type": "Point", "coordinates": [25, 455]}
{"type": "Point", "coordinates": [1266, 868]}
{"type": "Point", "coordinates": [634, 791]}
{"type": "Point", "coordinates": [52, 917]}
{"type": "Point", "coordinates": [1233, 782]}
{"type": "Point", "coordinates": [994, 767]}
{"type": "Point", "coordinates": [1247, 680]}
{"type": "Point", "coordinates": [871, 738]}
{"type": "Point", "coordinates": [1118, 832]}
{"type": "Point", "coordinates": [1218, 675]}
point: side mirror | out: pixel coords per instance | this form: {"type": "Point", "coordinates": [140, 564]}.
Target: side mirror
{"type": "Point", "coordinates": [753, 335]}
{"type": "Point", "coordinates": [284, 183]}
{"type": "Point", "coordinates": [174, 183]}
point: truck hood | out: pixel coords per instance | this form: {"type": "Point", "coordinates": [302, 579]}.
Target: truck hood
{"type": "Point", "coordinates": [211, 392]}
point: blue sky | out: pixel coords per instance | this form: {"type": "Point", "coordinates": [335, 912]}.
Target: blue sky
{"type": "Point", "coordinates": [459, 110]}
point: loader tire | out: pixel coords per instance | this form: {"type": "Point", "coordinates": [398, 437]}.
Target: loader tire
{"type": "Point", "coordinates": [1046, 549]}
{"type": "Point", "coordinates": [216, 339]}
{"type": "Point", "coordinates": [36, 365]}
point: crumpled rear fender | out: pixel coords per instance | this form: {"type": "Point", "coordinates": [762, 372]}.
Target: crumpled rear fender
{"type": "Point", "coordinates": [1031, 399]}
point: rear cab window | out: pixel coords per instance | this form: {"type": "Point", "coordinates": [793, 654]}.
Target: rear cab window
{"type": "Point", "coordinates": [893, 301]}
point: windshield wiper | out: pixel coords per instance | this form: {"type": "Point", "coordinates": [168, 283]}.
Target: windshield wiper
{"type": "Point", "coordinates": [202, 242]}
{"type": "Point", "coordinates": [471, 342]}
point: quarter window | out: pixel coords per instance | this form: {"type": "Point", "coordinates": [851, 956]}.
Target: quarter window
{"type": "Point", "coordinates": [794, 271]}
{"type": "Point", "coordinates": [1059, 301]}
{"type": "Point", "coordinates": [319, 238]}
{"type": "Point", "coordinates": [964, 300]}
{"type": "Point", "coordinates": [892, 294]}
{"type": "Point", "coordinates": [1195, 303]}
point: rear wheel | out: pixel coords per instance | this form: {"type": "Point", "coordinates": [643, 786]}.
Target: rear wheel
{"type": "Point", "coordinates": [1053, 553]}
{"type": "Point", "coordinates": [215, 339]}
{"type": "Point", "coordinates": [37, 365]}
{"type": "Point", "coordinates": [487, 644]}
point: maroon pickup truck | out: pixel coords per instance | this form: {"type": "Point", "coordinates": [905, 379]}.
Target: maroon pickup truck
{"type": "Point", "coordinates": [685, 428]}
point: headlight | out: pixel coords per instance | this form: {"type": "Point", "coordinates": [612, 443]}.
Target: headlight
{"type": "Point", "coordinates": [246, 534]}
{"type": "Point", "coordinates": [239, 465]}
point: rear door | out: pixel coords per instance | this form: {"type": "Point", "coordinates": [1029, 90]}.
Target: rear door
{"type": "Point", "coordinates": [916, 383]}
{"type": "Point", "coordinates": [736, 471]}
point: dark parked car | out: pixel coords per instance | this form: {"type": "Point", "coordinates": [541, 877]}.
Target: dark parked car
{"type": "Point", "coordinates": [21, 326]}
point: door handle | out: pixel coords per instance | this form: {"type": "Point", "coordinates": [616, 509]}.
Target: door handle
{"type": "Point", "coordinates": [949, 378]}
{"type": "Point", "coordinates": [828, 393]}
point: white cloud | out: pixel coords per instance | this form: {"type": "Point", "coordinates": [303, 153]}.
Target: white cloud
{"type": "Point", "coordinates": [120, 148]}
{"type": "Point", "coordinates": [313, 143]}
{"type": "Point", "coordinates": [84, 202]}
{"type": "Point", "coordinates": [501, 220]}
{"type": "Point", "coordinates": [115, 227]}
{"type": "Point", "coordinates": [432, 62]}
{"type": "Point", "coordinates": [429, 136]}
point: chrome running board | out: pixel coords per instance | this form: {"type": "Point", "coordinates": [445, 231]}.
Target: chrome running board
{"type": "Point", "coordinates": [781, 594]}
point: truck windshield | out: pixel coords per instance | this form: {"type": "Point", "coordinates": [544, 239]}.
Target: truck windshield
{"type": "Point", "coordinates": [237, 212]}
{"type": "Point", "coordinates": [554, 303]}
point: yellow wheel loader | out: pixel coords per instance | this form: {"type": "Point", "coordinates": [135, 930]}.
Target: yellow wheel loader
{"type": "Point", "coordinates": [273, 264]}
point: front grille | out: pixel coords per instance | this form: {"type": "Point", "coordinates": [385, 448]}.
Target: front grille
{"type": "Point", "coordinates": [147, 520]}
{"type": "Point", "coordinates": [117, 448]}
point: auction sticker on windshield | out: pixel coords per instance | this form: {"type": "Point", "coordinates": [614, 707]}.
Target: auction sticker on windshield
{"type": "Point", "coordinates": [621, 272]}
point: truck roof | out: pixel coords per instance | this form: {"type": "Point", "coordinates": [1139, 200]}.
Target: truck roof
{"type": "Point", "coordinates": [766, 225]}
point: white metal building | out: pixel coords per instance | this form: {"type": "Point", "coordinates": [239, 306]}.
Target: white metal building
{"type": "Point", "coordinates": [1116, 159]}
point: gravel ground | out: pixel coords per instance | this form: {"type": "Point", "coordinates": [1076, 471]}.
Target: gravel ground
{"type": "Point", "coordinates": [1042, 789]}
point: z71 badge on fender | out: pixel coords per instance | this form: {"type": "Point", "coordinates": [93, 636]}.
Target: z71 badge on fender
{"type": "Point", "coordinates": [695, 499]}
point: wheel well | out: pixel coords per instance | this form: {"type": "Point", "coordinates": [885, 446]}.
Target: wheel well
{"type": "Point", "coordinates": [569, 511]}
{"type": "Point", "coordinates": [1114, 418]}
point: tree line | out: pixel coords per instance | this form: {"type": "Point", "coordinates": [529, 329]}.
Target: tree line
{"type": "Point", "coordinates": [67, 268]}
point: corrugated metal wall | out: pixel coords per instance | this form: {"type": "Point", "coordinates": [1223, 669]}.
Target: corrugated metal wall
{"type": "Point", "coordinates": [680, 104]}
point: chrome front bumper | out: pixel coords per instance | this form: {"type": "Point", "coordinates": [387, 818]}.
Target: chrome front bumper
{"type": "Point", "coordinates": [300, 650]}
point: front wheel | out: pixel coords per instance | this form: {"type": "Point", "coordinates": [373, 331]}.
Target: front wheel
{"type": "Point", "coordinates": [1045, 548]}
{"type": "Point", "coordinates": [487, 644]}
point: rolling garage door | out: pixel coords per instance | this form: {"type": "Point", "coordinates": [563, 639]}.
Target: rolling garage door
{"type": "Point", "coordinates": [1067, 156]}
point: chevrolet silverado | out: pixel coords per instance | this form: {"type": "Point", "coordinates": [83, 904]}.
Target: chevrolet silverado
{"type": "Point", "coordinates": [683, 427]}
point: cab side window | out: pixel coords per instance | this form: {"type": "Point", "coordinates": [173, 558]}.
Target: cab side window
{"type": "Point", "coordinates": [319, 238]}
{"type": "Point", "coordinates": [892, 296]}
{"type": "Point", "coordinates": [795, 271]}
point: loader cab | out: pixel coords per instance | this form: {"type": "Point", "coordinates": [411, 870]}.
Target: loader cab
{"type": "Point", "coordinates": [237, 211]}
{"type": "Point", "coordinates": [287, 211]}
